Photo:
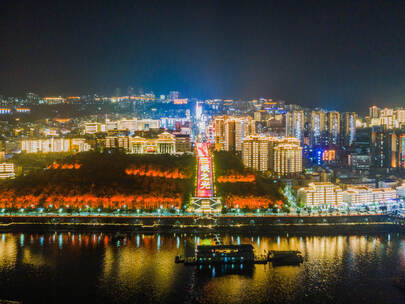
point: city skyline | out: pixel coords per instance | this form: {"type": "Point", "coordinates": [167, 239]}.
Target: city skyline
{"type": "Point", "coordinates": [341, 55]}
{"type": "Point", "coordinates": [202, 151]}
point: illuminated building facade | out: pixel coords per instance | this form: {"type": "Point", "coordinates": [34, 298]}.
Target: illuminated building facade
{"type": "Point", "coordinates": [204, 201]}
{"type": "Point", "coordinates": [401, 154]}
{"type": "Point", "coordinates": [287, 158]}
{"type": "Point", "coordinates": [256, 152]}
{"type": "Point", "coordinates": [401, 190]}
{"type": "Point", "coordinates": [387, 148]}
{"type": "Point", "coordinates": [219, 137]}
{"type": "Point", "coordinates": [7, 170]}
{"type": "Point", "coordinates": [165, 143]}
{"type": "Point", "coordinates": [321, 194]}
{"type": "Point", "coordinates": [5, 111]}
{"type": "Point", "coordinates": [54, 145]}
{"type": "Point", "coordinates": [333, 127]}
{"type": "Point", "coordinates": [366, 195]}
{"type": "Point", "coordinates": [130, 125]}
{"type": "Point", "coordinates": [318, 126]}
{"type": "Point", "coordinates": [388, 118]}
{"type": "Point", "coordinates": [295, 124]}
{"type": "Point", "coordinates": [282, 156]}
{"type": "Point", "coordinates": [230, 131]}
{"type": "Point", "coordinates": [329, 155]}
{"type": "Point", "coordinates": [127, 124]}
{"type": "Point", "coordinates": [349, 128]}
{"type": "Point", "coordinates": [360, 162]}
{"type": "Point", "coordinates": [92, 127]}
{"type": "Point", "coordinates": [118, 142]}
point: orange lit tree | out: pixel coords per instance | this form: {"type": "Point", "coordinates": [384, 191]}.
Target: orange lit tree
{"type": "Point", "coordinates": [243, 188]}
{"type": "Point", "coordinates": [108, 180]}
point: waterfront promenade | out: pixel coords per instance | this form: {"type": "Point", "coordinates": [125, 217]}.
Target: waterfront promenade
{"type": "Point", "coordinates": [195, 223]}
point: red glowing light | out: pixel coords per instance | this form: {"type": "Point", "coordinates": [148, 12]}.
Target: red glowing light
{"type": "Point", "coordinates": [233, 178]}
{"type": "Point", "coordinates": [150, 172]}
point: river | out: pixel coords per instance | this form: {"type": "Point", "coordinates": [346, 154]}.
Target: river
{"type": "Point", "coordinates": [90, 268]}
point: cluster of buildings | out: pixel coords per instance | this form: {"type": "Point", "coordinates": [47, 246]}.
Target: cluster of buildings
{"type": "Point", "coordinates": [283, 156]}
{"type": "Point", "coordinates": [164, 143]}
{"type": "Point", "coordinates": [340, 139]}
{"type": "Point", "coordinates": [388, 118]}
{"type": "Point", "coordinates": [130, 125]}
{"type": "Point", "coordinates": [327, 194]}
{"type": "Point", "coordinates": [230, 132]}
{"type": "Point", "coordinates": [268, 135]}
{"type": "Point", "coordinates": [52, 144]}
{"type": "Point", "coordinates": [131, 135]}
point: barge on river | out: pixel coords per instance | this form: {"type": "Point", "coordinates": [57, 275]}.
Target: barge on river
{"type": "Point", "coordinates": [223, 254]}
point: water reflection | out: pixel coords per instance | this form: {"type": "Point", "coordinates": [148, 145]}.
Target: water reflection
{"type": "Point", "coordinates": [141, 267]}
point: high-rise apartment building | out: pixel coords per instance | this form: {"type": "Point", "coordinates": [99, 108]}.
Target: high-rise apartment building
{"type": "Point", "coordinates": [348, 128]}
{"type": "Point", "coordinates": [387, 148]}
{"type": "Point", "coordinates": [333, 127]}
{"type": "Point", "coordinates": [219, 137]}
{"type": "Point", "coordinates": [287, 158]}
{"type": "Point", "coordinates": [318, 126]}
{"type": "Point", "coordinates": [282, 156]}
{"type": "Point", "coordinates": [388, 118]}
{"type": "Point", "coordinates": [256, 152]}
{"type": "Point", "coordinates": [374, 112]}
{"type": "Point", "coordinates": [230, 131]}
{"type": "Point", "coordinates": [295, 124]}
{"type": "Point", "coordinates": [401, 151]}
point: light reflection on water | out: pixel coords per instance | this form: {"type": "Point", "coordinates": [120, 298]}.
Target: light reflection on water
{"type": "Point", "coordinates": [141, 269]}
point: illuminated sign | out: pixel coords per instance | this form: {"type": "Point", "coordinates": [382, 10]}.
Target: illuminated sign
{"type": "Point", "coordinates": [202, 150]}
{"type": "Point", "coordinates": [150, 149]}
{"type": "Point", "coordinates": [329, 155]}
{"type": "Point", "coordinates": [204, 178]}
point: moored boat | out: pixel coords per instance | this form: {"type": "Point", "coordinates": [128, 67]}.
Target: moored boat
{"type": "Point", "coordinates": [290, 257]}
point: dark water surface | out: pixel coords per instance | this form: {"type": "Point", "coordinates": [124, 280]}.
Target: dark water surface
{"type": "Point", "coordinates": [90, 268]}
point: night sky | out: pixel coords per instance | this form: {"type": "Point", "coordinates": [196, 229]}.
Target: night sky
{"type": "Point", "coordinates": [343, 56]}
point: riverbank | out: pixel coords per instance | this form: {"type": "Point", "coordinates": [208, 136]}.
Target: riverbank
{"type": "Point", "coordinates": [194, 224]}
